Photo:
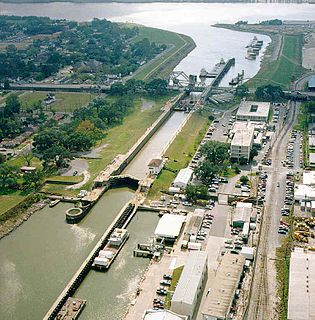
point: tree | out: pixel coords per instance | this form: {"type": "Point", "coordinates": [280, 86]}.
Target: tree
{"type": "Point", "coordinates": [244, 180]}
{"type": "Point", "coordinates": [206, 172]}
{"type": "Point", "coordinates": [156, 87]}
{"type": "Point", "coordinates": [12, 105]}
{"type": "Point", "coordinates": [27, 156]}
{"type": "Point", "coordinates": [269, 92]}
{"type": "Point", "coordinates": [56, 154]}
{"type": "Point", "coordinates": [8, 175]}
{"type": "Point", "coordinates": [32, 179]}
{"type": "Point", "coordinates": [241, 91]}
{"type": "Point", "coordinates": [6, 85]}
{"type": "Point", "coordinates": [193, 193]}
{"type": "Point", "coordinates": [215, 151]}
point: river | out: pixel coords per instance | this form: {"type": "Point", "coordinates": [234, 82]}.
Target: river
{"type": "Point", "coordinates": [38, 259]}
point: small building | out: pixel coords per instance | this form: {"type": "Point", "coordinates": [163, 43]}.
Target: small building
{"type": "Point", "coordinates": [162, 315]}
{"type": "Point", "coordinates": [191, 284]}
{"type": "Point", "coordinates": [253, 111]}
{"type": "Point", "coordinates": [241, 214]}
{"type": "Point", "coordinates": [304, 192]}
{"type": "Point", "coordinates": [312, 159]}
{"type": "Point", "coordinates": [220, 296]}
{"type": "Point", "coordinates": [155, 166]}
{"type": "Point", "coordinates": [311, 83]}
{"type": "Point", "coordinates": [301, 285]}
{"type": "Point", "coordinates": [309, 178]}
{"type": "Point", "coordinates": [195, 222]}
{"type": "Point", "coordinates": [311, 142]}
{"type": "Point", "coordinates": [183, 177]}
{"type": "Point", "coordinates": [169, 227]}
{"type": "Point", "coordinates": [242, 144]}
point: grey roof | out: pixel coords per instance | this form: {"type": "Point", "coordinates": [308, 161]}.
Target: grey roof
{"type": "Point", "coordinates": [190, 278]}
{"type": "Point", "coordinates": [243, 137]}
{"type": "Point", "coordinates": [311, 81]}
{"type": "Point", "coordinates": [246, 109]}
{"type": "Point", "coordinates": [222, 288]}
{"type": "Point", "coordinates": [301, 303]}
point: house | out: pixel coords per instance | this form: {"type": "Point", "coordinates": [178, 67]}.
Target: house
{"type": "Point", "coordinates": [155, 166]}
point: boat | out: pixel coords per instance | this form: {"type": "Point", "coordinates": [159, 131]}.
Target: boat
{"type": "Point", "coordinates": [237, 79]}
{"type": "Point", "coordinates": [71, 309]}
{"type": "Point", "coordinates": [250, 44]}
{"type": "Point", "coordinates": [108, 254]}
{"type": "Point", "coordinates": [54, 202]}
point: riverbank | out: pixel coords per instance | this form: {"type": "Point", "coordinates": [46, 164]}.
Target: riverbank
{"type": "Point", "coordinates": [21, 213]}
{"type": "Point", "coordinates": [282, 60]}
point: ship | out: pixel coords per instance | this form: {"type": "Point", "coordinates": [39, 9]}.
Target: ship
{"type": "Point", "coordinates": [108, 254]}
{"type": "Point", "coordinates": [71, 309]}
{"type": "Point", "coordinates": [238, 79]}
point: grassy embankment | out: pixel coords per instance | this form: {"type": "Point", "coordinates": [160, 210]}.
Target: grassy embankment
{"type": "Point", "coordinates": [181, 151]}
{"type": "Point", "coordinates": [286, 68]}
{"type": "Point", "coordinates": [119, 140]}
{"type": "Point", "coordinates": [65, 101]}
{"type": "Point", "coordinates": [179, 46]}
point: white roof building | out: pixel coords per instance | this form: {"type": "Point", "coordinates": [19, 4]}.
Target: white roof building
{"type": "Point", "coordinates": [182, 178]}
{"type": "Point", "coordinates": [312, 159]}
{"type": "Point", "coordinates": [242, 143]}
{"type": "Point", "coordinates": [242, 213]}
{"type": "Point", "coordinates": [253, 111]}
{"type": "Point", "coordinates": [301, 302]}
{"type": "Point", "coordinates": [169, 226]}
{"type": "Point", "coordinates": [311, 142]}
{"type": "Point", "coordinates": [304, 192]}
{"type": "Point", "coordinates": [162, 315]}
{"type": "Point", "coordinates": [309, 177]}
{"type": "Point", "coordinates": [190, 284]}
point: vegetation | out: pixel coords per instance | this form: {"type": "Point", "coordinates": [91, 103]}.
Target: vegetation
{"type": "Point", "coordinates": [99, 46]}
{"type": "Point", "coordinates": [269, 93]}
{"type": "Point", "coordinates": [244, 180]}
{"type": "Point", "coordinates": [181, 151]}
{"type": "Point", "coordinates": [286, 68]}
{"type": "Point", "coordinates": [175, 277]}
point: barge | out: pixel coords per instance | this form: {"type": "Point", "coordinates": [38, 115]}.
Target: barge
{"type": "Point", "coordinates": [108, 254]}
{"type": "Point", "coordinates": [71, 309]}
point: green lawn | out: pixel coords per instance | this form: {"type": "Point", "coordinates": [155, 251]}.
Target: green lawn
{"type": "Point", "coordinates": [9, 201]}
{"type": "Point", "coordinates": [65, 101]}
{"type": "Point", "coordinates": [285, 69]}
{"type": "Point", "coordinates": [181, 151]}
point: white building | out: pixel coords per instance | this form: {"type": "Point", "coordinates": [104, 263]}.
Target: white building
{"type": "Point", "coordinates": [301, 302]}
{"type": "Point", "coordinates": [311, 142]}
{"type": "Point", "coordinates": [162, 315]}
{"type": "Point", "coordinates": [183, 177]}
{"type": "Point", "coordinates": [220, 295]}
{"type": "Point", "coordinates": [241, 214]}
{"type": "Point", "coordinates": [309, 178]}
{"type": "Point", "coordinates": [169, 226]}
{"type": "Point", "coordinates": [242, 144]}
{"type": "Point", "coordinates": [253, 111]}
{"type": "Point", "coordinates": [155, 166]}
{"type": "Point", "coordinates": [191, 284]}
{"type": "Point", "coordinates": [312, 159]}
{"type": "Point", "coordinates": [304, 192]}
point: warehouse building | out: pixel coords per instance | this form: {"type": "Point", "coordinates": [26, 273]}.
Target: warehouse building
{"type": "Point", "coordinates": [183, 177]}
{"type": "Point", "coordinates": [301, 302]}
{"type": "Point", "coordinates": [304, 192]}
{"type": "Point", "coordinates": [312, 159]}
{"type": "Point", "coordinates": [242, 144]}
{"type": "Point", "coordinates": [191, 284]}
{"type": "Point", "coordinates": [253, 111]}
{"type": "Point", "coordinates": [220, 296]}
{"type": "Point", "coordinates": [241, 214]}
{"type": "Point", "coordinates": [169, 227]}
{"type": "Point", "coordinates": [311, 83]}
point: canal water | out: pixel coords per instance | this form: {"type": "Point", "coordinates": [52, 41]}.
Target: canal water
{"type": "Point", "coordinates": [41, 256]}
{"type": "Point", "coordinates": [139, 166]}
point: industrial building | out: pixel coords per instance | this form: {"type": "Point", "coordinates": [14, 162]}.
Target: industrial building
{"type": "Point", "coordinates": [311, 142]}
{"type": "Point", "coordinates": [191, 284]}
{"type": "Point", "coordinates": [162, 315]}
{"type": "Point", "coordinates": [304, 192]}
{"type": "Point", "coordinates": [242, 144]}
{"type": "Point", "coordinates": [169, 227]}
{"type": "Point", "coordinates": [253, 111]}
{"type": "Point", "coordinates": [220, 297]}
{"type": "Point", "coordinates": [183, 177]}
{"type": "Point", "coordinates": [241, 214]}
{"type": "Point", "coordinates": [301, 301]}
{"type": "Point", "coordinates": [311, 83]}
{"type": "Point", "coordinates": [309, 178]}
{"type": "Point", "coordinates": [312, 159]}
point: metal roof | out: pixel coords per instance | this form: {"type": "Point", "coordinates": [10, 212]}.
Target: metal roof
{"type": "Point", "coordinates": [246, 109]}
{"type": "Point", "coordinates": [311, 81]}
{"type": "Point", "coordinates": [190, 278]}
{"type": "Point", "coordinates": [301, 285]}
{"type": "Point", "coordinates": [222, 289]}
{"type": "Point", "coordinates": [169, 226]}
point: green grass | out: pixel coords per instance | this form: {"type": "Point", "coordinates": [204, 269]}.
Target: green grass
{"type": "Point", "coordinates": [74, 179]}
{"type": "Point", "coordinates": [59, 189]}
{"type": "Point", "coordinates": [65, 101]}
{"type": "Point", "coordinates": [9, 201]}
{"type": "Point", "coordinates": [122, 137]}
{"type": "Point", "coordinates": [180, 46]}
{"type": "Point", "coordinates": [285, 69]}
{"type": "Point", "coordinates": [181, 151]}
{"type": "Point", "coordinates": [175, 277]}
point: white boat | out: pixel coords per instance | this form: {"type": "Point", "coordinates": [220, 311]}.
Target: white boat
{"type": "Point", "coordinates": [54, 202]}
